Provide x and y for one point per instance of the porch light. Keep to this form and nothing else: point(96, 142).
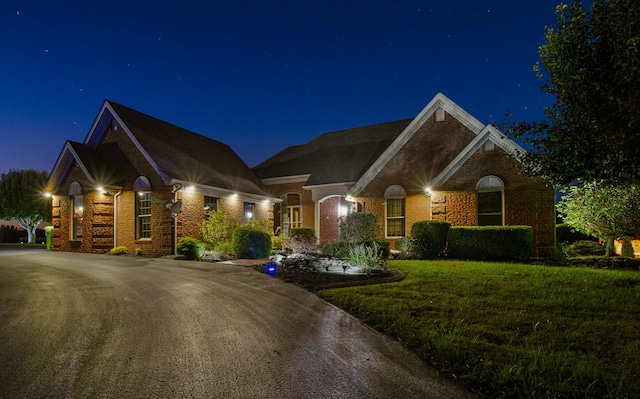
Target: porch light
point(266, 202)
point(101, 190)
point(234, 196)
point(190, 189)
point(349, 198)
point(47, 194)
point(427, 191)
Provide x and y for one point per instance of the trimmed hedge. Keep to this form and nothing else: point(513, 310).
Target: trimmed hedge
point(495, 243)
point(429, 238)
point(190, 248)
point(248, 243)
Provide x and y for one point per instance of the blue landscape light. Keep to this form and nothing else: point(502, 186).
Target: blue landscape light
point(270, 269)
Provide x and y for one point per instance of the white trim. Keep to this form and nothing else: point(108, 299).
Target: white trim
point(286, 179)
point(488, 133)
point(439, 101)
point(223, 192)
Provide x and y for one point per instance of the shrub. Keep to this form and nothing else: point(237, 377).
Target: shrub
point(358, 227)
point(138, 251)
point(566, 234)
point(277, 243)
point(498, 243)
point(384, 247)
point(260, 224)
point(190, 248)
point(218, 228)
point(627, 248)
point(250, 243)
point(584, 248)
point(119, 250)
point(366, 256)
point(338, 250)
point(429, 238)
point(302, 232)
point(303, 245)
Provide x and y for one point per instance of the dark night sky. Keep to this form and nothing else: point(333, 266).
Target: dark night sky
point(257, 75)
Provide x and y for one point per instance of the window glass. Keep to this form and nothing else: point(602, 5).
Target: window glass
point(143, 214)
point(395, 217)
point(490, 208)
point(248, 210)
point(76, 220)
point(210, 205)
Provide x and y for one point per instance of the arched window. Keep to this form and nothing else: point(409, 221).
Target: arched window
point(490, 203)
point(395, 211)
point(142, 188)
point(77, 210)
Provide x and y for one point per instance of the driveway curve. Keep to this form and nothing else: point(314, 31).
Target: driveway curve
point(101, 326)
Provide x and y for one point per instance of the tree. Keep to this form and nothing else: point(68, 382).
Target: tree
point(590, 62)
point(21, 199)
point(603, 211)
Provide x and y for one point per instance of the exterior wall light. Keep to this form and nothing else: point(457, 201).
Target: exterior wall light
point(427, 191)
point(47, 194)
point(190, 189)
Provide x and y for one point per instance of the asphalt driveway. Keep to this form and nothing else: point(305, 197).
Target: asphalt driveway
point(102, 326)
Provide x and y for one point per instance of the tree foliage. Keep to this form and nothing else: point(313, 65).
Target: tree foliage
point(603, 211)
point(218, 229)
point(21, 199)
point(590, 62)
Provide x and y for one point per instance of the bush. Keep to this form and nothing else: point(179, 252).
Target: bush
point(250, 243)
point(218, 228)
point(584, 248)
point(302, 232)
point(190, 248)
point(119, 250)
point(566, 234)
point(498, 243)
point(358, 227)
point(260, 224)
point(338, 250)
point(627, 248)
point(384, 247)
point(366, 256)
point(429, 238)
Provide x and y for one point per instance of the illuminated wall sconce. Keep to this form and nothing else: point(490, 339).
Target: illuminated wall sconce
point(349, 198)
point(190, 189)
point(427, 191)
point(234, 196)
point(47, 194)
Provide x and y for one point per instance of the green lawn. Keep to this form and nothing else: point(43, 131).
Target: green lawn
point(512, 330)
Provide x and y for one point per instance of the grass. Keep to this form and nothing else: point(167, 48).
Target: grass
point(512, 330)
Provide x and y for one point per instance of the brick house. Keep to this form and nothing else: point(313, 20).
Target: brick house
point(143, 183)
point(116, 187)
point(443, 164)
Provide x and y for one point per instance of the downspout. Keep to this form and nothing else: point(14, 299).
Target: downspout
point(115, 218)
point(175, 225)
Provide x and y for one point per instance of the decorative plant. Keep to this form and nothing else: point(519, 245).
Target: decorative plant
point(368, 257)
point(119, 250)
point(190, 248)
point(359, 227)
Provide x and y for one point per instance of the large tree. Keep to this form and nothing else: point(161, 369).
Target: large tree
point(608, 212)
point(590, 62)
point(21, 199)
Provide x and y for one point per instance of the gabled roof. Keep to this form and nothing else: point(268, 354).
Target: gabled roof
point(176, 154)
point(334, 157)
point(354, 157)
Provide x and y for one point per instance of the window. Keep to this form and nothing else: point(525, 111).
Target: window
point(77, 210)
point(143, 214)
point(143, 207)
point(489, 201)
point(292, 216)
point(248, 210)
point(395, 211)
point(210, 205)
